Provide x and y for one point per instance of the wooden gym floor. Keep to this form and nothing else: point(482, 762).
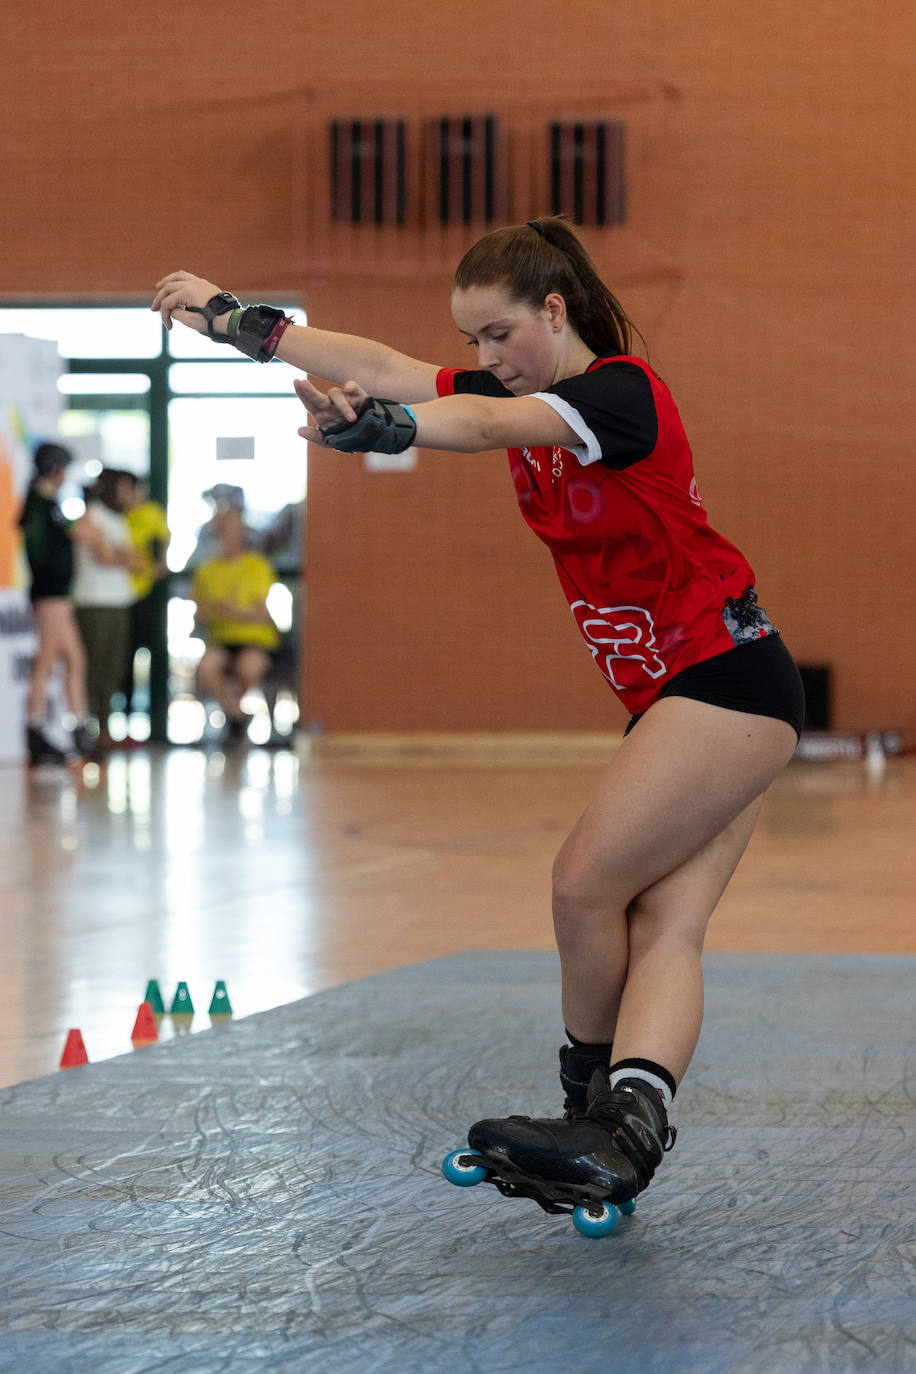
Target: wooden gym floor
point(285, 872)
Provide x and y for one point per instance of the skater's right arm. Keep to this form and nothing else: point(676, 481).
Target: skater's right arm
point(378, 369)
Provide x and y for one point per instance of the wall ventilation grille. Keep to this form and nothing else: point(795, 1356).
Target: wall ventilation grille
point(465, 169)
point(588, 170)
point(368, 171)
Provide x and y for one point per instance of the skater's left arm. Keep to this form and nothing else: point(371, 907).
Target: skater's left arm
point(347, 418)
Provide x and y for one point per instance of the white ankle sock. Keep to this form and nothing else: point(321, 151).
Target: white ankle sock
point(645, 1076)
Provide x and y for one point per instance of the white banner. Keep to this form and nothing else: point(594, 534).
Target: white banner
point(17, 645)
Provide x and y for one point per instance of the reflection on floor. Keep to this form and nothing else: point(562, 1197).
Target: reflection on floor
point(285, 872)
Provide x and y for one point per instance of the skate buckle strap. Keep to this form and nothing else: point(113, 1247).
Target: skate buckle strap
point(637, 1137)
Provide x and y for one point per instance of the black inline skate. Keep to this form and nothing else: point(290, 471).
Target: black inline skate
point(41, 750)
point(591, 1166)
point(576, 1070)
point(85, 743)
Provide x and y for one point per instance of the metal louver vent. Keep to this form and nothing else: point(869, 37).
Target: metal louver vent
point(368, 171)
point(465, 172)
point(588, 170)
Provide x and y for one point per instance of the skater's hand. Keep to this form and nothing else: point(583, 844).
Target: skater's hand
point(179, 289)
point(340, 403)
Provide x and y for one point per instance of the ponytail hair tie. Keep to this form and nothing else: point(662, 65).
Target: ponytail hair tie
point(536, 226)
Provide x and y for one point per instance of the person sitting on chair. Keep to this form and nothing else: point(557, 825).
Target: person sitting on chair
point(231, 594)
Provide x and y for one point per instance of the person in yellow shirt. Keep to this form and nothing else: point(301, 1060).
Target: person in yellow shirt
point(149, 535)
point(231, 594)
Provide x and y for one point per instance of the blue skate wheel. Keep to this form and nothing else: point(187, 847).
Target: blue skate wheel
point(628, 1208)
point(595, 1221)
point(458, 1168)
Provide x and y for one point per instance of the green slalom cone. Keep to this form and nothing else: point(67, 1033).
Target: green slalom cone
point(181, 1002)
point(219, 1002)
point(154, 997)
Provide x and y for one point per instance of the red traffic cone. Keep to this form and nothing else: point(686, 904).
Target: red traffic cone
point(74, 1051)
point(144, 1031)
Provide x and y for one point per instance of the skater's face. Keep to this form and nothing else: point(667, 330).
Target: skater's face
point(522, 346)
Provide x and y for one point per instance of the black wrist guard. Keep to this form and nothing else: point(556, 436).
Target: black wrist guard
point(259, 331)
point(220, 304)
point(380, 427)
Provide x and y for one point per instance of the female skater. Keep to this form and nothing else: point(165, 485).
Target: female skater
point(668, 609)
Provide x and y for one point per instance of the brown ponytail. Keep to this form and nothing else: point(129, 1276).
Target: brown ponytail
point(546, 255)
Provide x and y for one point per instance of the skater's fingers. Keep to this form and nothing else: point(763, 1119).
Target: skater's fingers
point(339, 398)
point(356, 396)
point(177, 290)
point(308, 394)
point(321, 407)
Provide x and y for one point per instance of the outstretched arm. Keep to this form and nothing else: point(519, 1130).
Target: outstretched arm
point(458, 424)
point(380, 370)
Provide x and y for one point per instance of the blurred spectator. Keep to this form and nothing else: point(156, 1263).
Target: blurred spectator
point(231, 594)
point(282, 540)
point(150, 535)
point(48, 538)
point(222, 497)
point(103, 591)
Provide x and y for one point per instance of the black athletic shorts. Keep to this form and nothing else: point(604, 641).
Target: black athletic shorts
point(759, 677)
point(233, 650)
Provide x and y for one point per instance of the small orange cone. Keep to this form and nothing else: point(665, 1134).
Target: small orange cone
point(74, 1051)
point(144, 1031)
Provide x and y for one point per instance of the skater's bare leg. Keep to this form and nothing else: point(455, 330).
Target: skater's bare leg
point(58, 639)
point(661, 1010)
point(639, 876)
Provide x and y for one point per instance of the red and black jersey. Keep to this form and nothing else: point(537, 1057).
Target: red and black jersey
point(654, 589)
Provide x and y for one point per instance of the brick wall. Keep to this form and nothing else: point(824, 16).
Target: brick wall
point(780, 186)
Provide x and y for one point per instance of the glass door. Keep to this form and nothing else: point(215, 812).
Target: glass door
point(207, 427)
point(243, 452)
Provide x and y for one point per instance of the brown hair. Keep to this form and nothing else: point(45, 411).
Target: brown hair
point(546, 255)
point(106, 487)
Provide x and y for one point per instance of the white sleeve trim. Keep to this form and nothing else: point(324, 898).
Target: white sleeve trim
point(589, 451)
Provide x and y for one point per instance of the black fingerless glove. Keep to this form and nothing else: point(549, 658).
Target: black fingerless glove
point(380, 427)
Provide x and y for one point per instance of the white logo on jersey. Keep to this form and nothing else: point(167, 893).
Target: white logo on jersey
point(557, 468)
point(694, 492)
point(630, 633)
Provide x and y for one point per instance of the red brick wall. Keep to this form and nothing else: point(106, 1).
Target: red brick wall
point(780, 185)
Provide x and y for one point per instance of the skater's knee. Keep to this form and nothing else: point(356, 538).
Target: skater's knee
point(568, 889)
point(582, 893)
point(651, 919)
